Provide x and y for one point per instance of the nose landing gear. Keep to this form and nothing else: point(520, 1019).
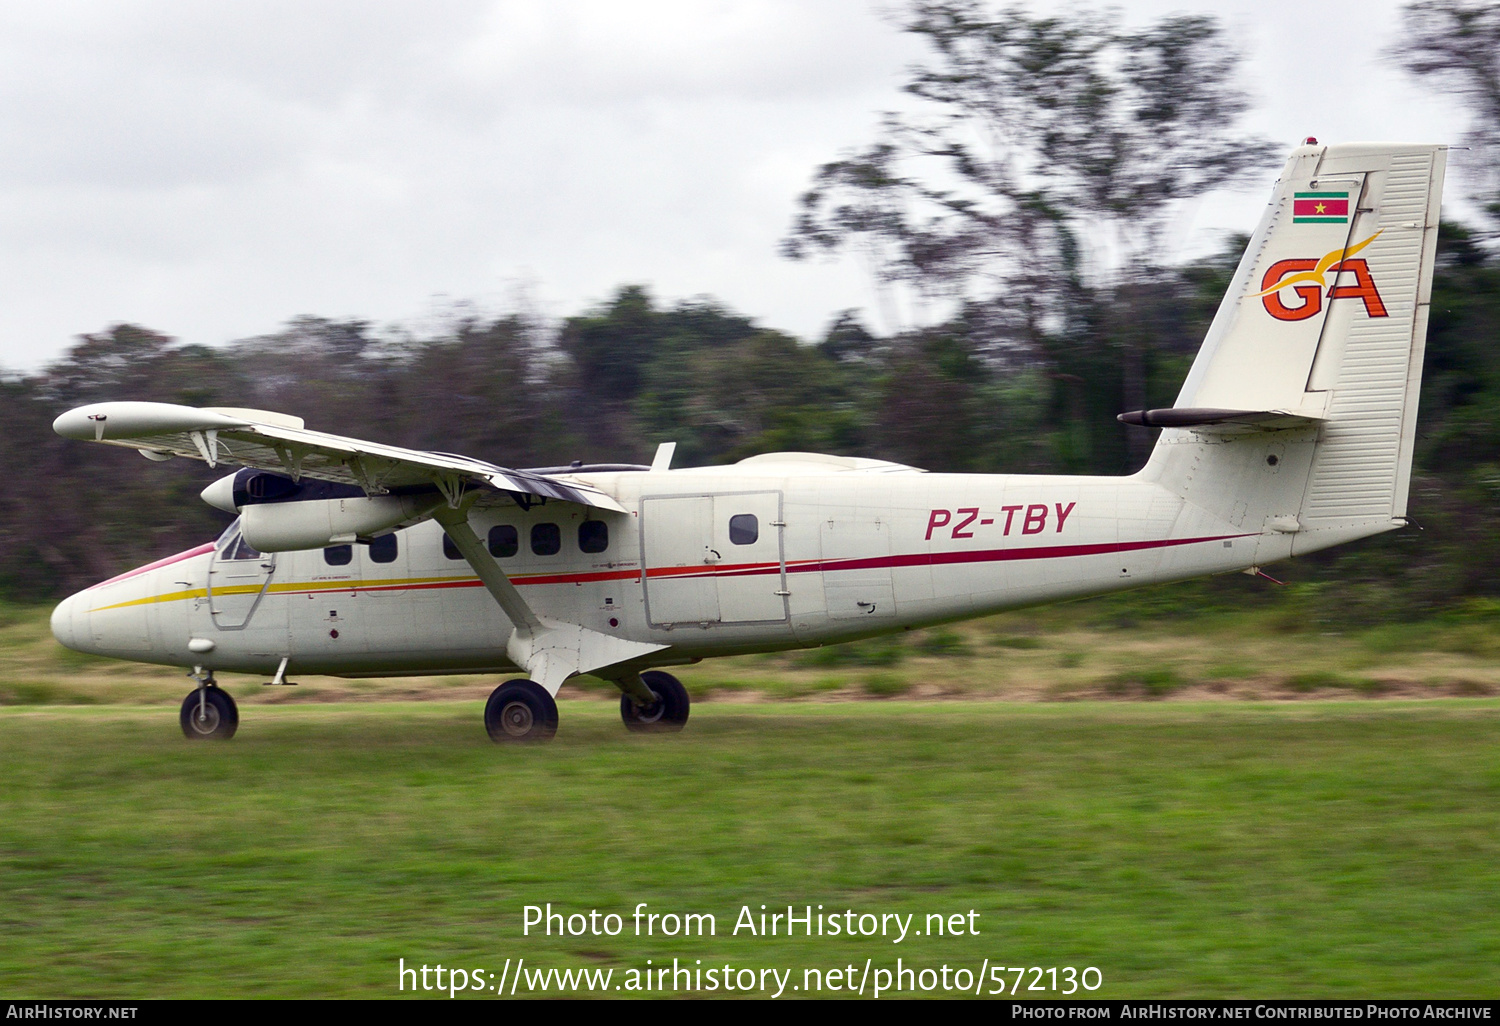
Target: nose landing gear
point(208, 712)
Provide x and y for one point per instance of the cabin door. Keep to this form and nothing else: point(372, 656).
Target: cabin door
point(677, 560)
point(856, 548)
point(751, 564)
point(237, 580)
point(713, 559)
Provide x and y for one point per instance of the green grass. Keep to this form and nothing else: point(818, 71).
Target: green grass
point(1185, 846)
point(1308, 848)
point(1149, 681)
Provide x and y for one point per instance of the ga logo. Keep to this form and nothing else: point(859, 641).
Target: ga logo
point(1307, 278)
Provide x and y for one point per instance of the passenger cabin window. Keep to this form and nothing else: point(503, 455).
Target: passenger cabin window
point(383, 549)
point(744, 529)
point(338, 555)
point(450, 550)
point(546, 539)
point(504, 542)
point(593, 536)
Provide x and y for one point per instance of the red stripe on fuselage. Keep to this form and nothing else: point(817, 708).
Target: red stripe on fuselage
point(168, 561)
point(928, 558)
point(795, 567)
point(1001, 555)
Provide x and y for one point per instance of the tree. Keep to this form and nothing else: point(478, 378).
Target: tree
point(1456, 45)
point(767, 392)
point(73, 514)
point(610, 346)
point(486, 392)
point(332, 373)
point(1039, 173)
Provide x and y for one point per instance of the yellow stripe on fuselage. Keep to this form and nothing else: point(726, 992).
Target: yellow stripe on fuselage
point(171, 596)
point(289, 587)
point(381, 584)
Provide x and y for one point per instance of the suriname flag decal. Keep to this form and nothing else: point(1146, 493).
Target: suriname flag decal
point(1320, 208)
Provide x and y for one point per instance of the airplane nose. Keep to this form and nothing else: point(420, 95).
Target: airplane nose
point(65, 626)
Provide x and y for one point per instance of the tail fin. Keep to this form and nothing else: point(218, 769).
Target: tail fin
point(1320, 340)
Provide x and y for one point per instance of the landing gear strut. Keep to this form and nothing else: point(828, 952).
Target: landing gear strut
point(667, 713)
point(520, 710)
point(208, 712)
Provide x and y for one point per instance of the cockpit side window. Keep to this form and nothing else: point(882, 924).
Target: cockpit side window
point(232, 545)
point(242, 550)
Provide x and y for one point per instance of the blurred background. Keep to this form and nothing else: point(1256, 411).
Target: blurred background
point(951, 234)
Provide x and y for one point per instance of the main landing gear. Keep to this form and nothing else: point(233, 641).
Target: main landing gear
point(208, 712)
point(522, 710)
point(667, 713)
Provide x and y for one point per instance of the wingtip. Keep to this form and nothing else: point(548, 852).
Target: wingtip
point(99, 422)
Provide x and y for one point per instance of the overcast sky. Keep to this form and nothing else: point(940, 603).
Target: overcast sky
point(212, 170)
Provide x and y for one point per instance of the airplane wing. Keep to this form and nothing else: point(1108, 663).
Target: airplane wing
point(280, 444)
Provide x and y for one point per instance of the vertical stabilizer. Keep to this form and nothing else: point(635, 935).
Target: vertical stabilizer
point(1325, 325)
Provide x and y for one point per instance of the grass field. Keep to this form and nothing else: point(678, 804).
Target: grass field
point(1196, 803)
point(1184, 849)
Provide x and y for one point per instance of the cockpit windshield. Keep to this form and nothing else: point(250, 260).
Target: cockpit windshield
point(231, 546)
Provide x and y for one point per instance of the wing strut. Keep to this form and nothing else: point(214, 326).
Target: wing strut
point(456, 524)
point(548, 650)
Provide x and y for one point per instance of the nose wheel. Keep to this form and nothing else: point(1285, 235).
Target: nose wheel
point(667, 713)
point(208, 713)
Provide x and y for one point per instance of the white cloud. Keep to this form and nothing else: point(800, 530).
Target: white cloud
point(211, 170)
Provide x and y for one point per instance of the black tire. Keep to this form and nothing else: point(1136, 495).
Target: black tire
point(219, 720)
point(519, 711)
point(666, 715)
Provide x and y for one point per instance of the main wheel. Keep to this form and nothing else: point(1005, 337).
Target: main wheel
point(668, 713)
point(520, 710)
point(209, 713)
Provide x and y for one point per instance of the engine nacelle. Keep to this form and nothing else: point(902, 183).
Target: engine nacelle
point(317, 523)
point(278, 514)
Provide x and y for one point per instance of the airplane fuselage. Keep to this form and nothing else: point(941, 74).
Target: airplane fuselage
point(778, 552)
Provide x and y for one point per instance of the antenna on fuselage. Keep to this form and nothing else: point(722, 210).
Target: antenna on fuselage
point(663, 458)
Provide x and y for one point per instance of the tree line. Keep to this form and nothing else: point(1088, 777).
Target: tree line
point(1027, 192)
point(607, 385)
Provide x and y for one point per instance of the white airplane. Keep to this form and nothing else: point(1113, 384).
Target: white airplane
point(1293, 432)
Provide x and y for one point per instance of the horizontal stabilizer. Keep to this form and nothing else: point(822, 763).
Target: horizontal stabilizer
point(1189, 417)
